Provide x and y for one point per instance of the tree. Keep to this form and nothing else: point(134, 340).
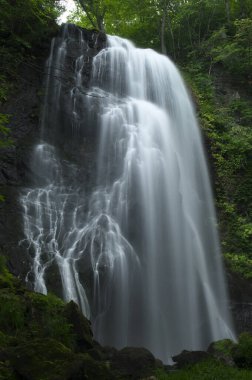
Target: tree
point(95, 11)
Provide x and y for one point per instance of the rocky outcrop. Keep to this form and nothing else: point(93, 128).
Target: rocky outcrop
point(133, 363)
point(187, 358)
point(23, 108)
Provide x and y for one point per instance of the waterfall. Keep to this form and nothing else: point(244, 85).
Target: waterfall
point(136, 245)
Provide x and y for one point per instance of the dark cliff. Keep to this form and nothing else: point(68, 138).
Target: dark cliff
point(24, 109)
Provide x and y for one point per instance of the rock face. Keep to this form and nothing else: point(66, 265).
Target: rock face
point(241, 302)
point(24, 107)
point(187, 358)
point(133, 363)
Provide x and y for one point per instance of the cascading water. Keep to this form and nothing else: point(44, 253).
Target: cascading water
point(139, 252)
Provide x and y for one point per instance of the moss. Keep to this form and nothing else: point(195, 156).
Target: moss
point(47, 359)
point(45, 317)
point(27, 314)
point(38, 336)
point(224, 346)
point(42, 359)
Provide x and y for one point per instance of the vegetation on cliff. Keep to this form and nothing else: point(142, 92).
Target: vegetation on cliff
point(42, 338)
point(24, 26)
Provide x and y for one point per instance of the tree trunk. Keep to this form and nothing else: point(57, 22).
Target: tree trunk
point(93, 14)
point(100, 23)
point(227, 2)
point(163, 46)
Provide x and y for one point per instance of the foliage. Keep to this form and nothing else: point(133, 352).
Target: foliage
point(23, 24)
point(228, 136)
point(234, 50)
point(183, 25)
point(134, 20)
point(240, 263)
point(215, 368)
point(209, 370)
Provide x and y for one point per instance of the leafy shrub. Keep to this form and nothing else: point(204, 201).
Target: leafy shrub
point(239, 263)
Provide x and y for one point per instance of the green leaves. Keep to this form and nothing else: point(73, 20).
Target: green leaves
point(226, 122)
point(23, 24)
point(233, 48)
point(239, 263)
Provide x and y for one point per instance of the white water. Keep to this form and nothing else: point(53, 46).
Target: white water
point(141, 255)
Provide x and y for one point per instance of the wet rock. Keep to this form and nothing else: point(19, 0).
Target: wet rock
point(186, 358)
point(240, 301)
point(108, 353)
point(133, 363)
point(23, 106)
point(222, 350)
point(81, 327)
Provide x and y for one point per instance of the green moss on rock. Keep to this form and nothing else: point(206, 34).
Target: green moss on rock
point(242, 352)
point(42, 338)
point(48, 359)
